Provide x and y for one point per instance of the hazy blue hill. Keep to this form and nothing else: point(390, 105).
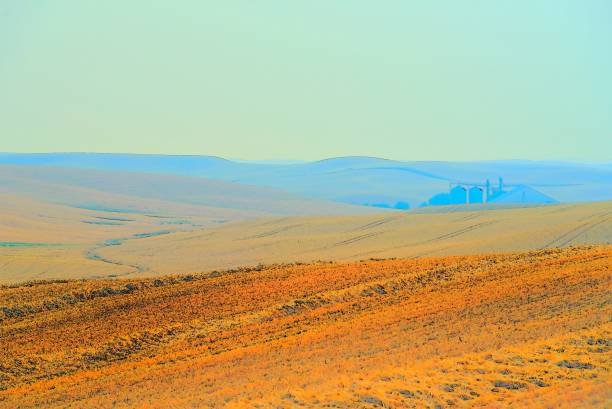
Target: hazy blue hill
point(563, 181)
point(365, 180)
point(167, 193)
point(358, 185)
point(353, 180)
point(357, 179)
point(347, 162)
point(209, 166)
point(523, 194)
point(518, 172)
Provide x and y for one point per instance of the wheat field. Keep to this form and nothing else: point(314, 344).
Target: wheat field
point(349, 238)
point(528, 329)
point(90, 243)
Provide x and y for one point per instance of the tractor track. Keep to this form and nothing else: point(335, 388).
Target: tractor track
point(572, 234)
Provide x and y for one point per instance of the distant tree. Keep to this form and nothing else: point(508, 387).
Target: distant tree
point(441, 199)
point(402, 205)
point(382, 205)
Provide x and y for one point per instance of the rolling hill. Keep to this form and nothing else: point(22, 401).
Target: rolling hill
point(84, 243)
point(482, 331)
point(53, 220)
point(127, 192)
point(177, 290)
point(395, 234)
point(356, 180)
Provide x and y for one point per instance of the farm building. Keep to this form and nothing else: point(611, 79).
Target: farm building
point(470, 193)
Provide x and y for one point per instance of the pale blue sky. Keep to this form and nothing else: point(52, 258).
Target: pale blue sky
point(415, 80)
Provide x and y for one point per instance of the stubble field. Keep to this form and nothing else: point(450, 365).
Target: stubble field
point(503, 330)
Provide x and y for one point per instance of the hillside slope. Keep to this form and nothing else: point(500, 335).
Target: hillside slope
point(41, 240)
point(52, 241)
point(307, 239)
point(53, 221)
point(148, 192)
point(356, 179)
point(491, 331)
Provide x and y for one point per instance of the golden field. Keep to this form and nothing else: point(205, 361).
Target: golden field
point(91, 243)
point(527, 329)
point(346, 238)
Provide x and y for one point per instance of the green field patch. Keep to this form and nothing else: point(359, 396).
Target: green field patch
point(151, 234)
point(114, 219)
point(120, 241)
point(105, 209)
point(23, 244)
point(114, 242)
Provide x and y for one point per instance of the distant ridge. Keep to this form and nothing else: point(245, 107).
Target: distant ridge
point(358, 180)
point(127, 192)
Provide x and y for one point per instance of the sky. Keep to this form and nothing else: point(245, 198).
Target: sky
point(305, 80)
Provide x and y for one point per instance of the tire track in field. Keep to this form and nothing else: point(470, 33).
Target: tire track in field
point(470, 216)
point(460, 232)
point(355, 239)
point(443, 237)
point(271, 232)
point(595, 216)
point(572, 234)
point(375, 223)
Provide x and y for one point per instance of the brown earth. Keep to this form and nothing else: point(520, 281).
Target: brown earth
point(503, 330)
